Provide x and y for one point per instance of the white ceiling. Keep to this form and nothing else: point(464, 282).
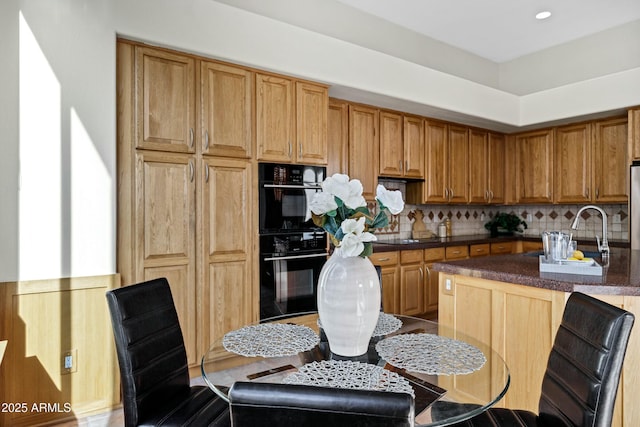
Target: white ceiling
point(502, 30)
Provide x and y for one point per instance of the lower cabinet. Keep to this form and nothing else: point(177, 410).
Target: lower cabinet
point(412, 282)
point(388, 263)
point(520, 323)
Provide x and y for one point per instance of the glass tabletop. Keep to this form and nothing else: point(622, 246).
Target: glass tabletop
point(451, 376)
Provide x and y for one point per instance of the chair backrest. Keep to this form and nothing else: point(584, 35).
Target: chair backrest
point(149, 345)
point(581, 381)
point(284, 405)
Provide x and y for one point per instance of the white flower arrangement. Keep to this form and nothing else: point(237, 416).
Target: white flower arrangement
point(341, 210)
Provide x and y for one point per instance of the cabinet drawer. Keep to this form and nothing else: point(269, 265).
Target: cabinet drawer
point(501, 248)
point(457, 252)
point(410, 257)
point(433, 254)
point(531, 246)
point(483, 249)
point(384, 258)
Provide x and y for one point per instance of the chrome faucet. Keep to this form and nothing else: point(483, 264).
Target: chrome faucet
point(603, 247)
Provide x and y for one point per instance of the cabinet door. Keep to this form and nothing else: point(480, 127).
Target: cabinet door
point(413, 147)
point(311, 123)
point(337, 137)
point(165, 220)
point(478, 166)
point(458, 164)
point(165, 101)
point(274, 118)
point(436, 162)
point(610, 161)
point(363, 147)
point(496, 170)
point(228, 279)
point(431, 289)
point(534, 167)
point(633, 118)
point(390, 290)
point(411, 289)
point(391, 143)
point(572, 164)
point(227, 103)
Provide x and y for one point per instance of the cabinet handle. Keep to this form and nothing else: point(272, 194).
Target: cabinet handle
point(206, 174)
point(450, 194)
point(428, 274)
point(421, 275)
point(597, 193)
point(190, 137)
point(383, 259)
point(290, 148)
point(587, 195)
point(406, 166)
point(490, 196)
point(446, 193)
point(206, 140)
point(300, 149)
point(400, 165)
point(191, 170)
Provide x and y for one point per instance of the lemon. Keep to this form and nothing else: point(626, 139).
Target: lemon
point(578, 254)
point(572, 259)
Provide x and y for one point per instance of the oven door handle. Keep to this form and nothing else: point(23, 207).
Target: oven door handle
point(298, 187)
point(283, 258)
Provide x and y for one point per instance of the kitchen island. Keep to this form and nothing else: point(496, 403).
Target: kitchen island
point(507, 302)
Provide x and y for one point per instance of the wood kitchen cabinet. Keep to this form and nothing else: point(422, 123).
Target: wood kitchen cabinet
point(226, 248)
point(338, 137)
point(431, 255)
point(610, 161)
point(446, 165)
point(534, 166)
point(633, 119)
point(364, 147)
point(291, 120)
point(573, 166)
point(165, 91)
point(226, 110)
point(486, 167)
point(388, 263)
point(401, 145)
point(412, 282)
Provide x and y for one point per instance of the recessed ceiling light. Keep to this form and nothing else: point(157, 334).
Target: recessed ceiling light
point(543, 15)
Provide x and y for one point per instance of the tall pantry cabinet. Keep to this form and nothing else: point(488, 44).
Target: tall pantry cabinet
point(185, 186)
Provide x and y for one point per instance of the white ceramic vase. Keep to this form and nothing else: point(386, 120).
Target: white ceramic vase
point(348, 303)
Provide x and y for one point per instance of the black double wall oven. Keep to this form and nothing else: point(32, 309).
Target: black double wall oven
point(292, 248)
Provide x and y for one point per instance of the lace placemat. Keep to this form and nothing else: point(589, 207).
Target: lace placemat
point(270, 340)
point(387, 323)
point(347, 374)
point(431, 354)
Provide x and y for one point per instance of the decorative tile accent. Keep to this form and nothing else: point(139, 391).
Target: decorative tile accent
point(553, 214)
point(569, 215)
point(539, 215)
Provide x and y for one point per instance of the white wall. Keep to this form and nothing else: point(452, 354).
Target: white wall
point(58, 175)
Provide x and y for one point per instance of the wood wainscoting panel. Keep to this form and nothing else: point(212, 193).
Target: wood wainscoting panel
point(44, 321)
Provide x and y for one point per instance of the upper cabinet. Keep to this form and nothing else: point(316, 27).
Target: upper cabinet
point(363, 147)
point(572, 178)
point(165, 91)
point(291, 120)
point(227, 105)
point(486, 167)
point(634, 133)
point(401, 145)
point(338, 137)
point(534, 166)
point(610, 164)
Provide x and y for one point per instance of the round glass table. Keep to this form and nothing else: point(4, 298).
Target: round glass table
point(452, 377)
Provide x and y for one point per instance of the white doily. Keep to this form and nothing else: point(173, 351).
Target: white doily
point(347, 374)
point(387, 323)
point(270, 340)
point(430, 354)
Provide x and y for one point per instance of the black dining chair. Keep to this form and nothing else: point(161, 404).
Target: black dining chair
point(580, 383)
point(156, 389)
point(296, 405)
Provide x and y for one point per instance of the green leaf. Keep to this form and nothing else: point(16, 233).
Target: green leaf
point(381, 220)
point(368, 250)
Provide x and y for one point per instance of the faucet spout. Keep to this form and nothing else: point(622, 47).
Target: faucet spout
point(603, 247)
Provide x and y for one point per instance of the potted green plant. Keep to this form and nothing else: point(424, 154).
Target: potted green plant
point(505, 224)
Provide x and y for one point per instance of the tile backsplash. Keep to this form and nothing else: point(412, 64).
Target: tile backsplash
point(470, 219)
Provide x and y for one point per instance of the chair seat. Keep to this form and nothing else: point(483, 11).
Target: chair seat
point(201, 408)
point(494, 417)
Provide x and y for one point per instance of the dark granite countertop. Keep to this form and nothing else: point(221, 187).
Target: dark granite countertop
point(620, 277)
point(435, 242)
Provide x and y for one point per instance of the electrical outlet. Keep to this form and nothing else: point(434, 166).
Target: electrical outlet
point(69, 361)
point(529, 217)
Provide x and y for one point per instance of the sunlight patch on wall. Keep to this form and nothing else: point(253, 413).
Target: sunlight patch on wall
point(40, 198)
point(91, 213)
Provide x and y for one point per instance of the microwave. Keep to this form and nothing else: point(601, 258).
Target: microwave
point(285, 192)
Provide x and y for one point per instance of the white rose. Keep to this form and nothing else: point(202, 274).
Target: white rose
point(352, 243)
point(392, 200)
point(350, 192)
point(355, 226)
point(323, 203)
